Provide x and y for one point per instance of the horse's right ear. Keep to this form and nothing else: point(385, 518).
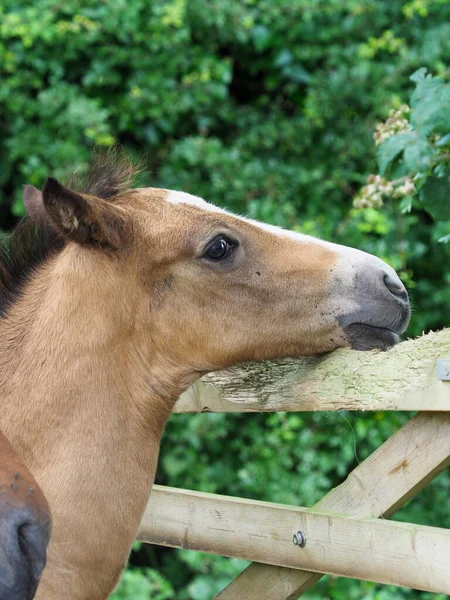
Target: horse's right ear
point(86, 220)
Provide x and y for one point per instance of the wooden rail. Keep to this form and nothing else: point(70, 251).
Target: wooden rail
point(373, 549)
point(404, 378)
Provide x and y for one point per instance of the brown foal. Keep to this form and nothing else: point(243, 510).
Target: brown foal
point(114, 300)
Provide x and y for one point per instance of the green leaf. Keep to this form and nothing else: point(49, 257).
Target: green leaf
point(297, 73)
point(443, 141)
point(391, 148)
point(416, 151)
point(431, 106)
point(435, 197)
point(406, 205)
point(201, 588)
point(261, 37)
point(419, 75)
point(417, 154)
point(284, 58)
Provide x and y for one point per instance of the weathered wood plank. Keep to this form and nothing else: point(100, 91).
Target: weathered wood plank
point(402, 379)
point(372, 549)
point(386, 480)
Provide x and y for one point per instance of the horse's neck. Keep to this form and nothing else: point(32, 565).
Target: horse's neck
point(80, 405)
point(74, 350)
point(74, 376)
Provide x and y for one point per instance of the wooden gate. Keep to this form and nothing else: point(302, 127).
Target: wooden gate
point(348, 532)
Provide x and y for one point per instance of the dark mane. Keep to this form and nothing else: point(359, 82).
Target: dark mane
point(27, 247)
point(109, 174)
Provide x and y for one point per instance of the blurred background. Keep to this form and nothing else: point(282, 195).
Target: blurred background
point(266, 107)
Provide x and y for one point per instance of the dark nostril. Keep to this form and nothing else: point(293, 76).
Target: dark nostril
point(33, 539)
point(27, 538)
point(395, 286)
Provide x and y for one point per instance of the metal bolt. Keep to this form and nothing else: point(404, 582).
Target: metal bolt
point(299, 539)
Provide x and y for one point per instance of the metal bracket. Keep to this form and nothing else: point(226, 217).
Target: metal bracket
point(443, 369)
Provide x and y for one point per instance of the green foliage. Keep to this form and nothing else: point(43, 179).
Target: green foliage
point(143, 584)
point(422, 154)
point(268, 108)
point(434, 195)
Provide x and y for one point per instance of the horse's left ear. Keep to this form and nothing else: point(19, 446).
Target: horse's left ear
point(88, 221)
point(32, 198)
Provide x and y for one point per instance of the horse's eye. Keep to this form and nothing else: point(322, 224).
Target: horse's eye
point(219, 248)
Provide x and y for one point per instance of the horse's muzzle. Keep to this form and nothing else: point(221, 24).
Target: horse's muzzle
point(383, 313)
point(24, 536)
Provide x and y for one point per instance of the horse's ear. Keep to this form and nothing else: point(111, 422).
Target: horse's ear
point(32, 198)
point(87, 221)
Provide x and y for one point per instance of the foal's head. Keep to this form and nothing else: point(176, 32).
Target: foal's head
point(24, 527)
point(210, 288)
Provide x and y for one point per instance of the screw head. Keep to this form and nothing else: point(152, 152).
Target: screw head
point(299, 539)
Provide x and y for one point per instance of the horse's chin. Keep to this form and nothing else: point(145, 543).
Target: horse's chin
point(370, 337)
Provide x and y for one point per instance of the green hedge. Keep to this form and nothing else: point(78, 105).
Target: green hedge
point(267, 107)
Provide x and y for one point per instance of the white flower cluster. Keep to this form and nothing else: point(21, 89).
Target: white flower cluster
point(372, 194)
point(396, 123)
point(407, 189)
